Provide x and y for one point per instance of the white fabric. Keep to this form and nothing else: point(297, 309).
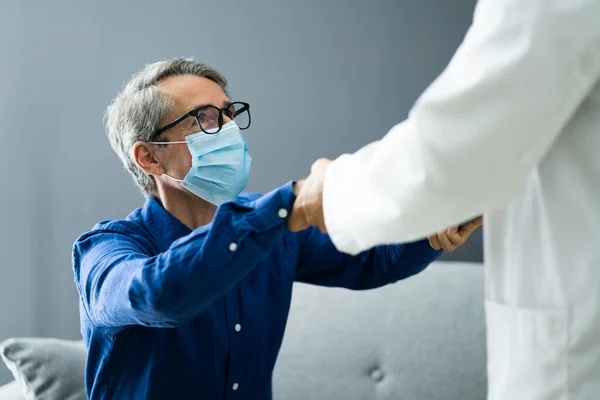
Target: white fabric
point(510, 129)
point(11, 391)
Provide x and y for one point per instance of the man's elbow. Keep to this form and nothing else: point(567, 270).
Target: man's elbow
point(164, 308)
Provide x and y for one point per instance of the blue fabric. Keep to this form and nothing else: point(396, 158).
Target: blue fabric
point(160, 303)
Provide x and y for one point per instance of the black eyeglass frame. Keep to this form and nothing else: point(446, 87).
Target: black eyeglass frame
point(194, 114)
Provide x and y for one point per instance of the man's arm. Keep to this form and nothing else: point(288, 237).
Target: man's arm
point(321, 263)
point(474, 136)
point(121, 285)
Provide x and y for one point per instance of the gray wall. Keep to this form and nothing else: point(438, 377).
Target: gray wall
point(323, 77)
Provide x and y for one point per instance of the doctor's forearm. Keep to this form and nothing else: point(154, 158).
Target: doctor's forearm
point(474, 136)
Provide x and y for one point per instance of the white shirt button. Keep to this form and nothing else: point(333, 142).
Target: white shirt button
point(233, 247)
point(238, 327)
point(235, 386)
point(283, 213)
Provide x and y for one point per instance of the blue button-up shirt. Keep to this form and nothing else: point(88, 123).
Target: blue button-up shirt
point(171, 313)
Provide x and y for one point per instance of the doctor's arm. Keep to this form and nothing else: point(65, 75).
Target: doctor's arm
point(476, 133)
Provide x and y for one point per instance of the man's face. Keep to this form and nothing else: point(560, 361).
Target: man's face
point(188, 93)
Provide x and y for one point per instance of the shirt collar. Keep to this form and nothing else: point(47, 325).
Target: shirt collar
point(164, 227)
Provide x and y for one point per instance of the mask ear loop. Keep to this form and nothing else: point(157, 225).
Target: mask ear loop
point(175, 179)
point(181, 142)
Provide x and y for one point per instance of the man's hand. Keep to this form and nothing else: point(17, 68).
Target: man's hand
point(308, 207)
point(453, 238)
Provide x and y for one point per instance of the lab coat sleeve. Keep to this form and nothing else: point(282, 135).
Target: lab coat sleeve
point(475, 134)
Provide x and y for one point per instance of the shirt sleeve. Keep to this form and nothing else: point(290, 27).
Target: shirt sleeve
point(121, 285)
point(320, 263)
point(477, 132)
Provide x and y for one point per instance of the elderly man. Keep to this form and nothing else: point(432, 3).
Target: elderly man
point(188, 296)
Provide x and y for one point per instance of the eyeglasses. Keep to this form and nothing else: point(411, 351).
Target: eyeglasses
point(210, 118)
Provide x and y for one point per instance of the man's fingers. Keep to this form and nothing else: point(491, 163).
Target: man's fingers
point(297, 221)
point(474, 225)
point(470, 228)
point(323, 228)
point(455, 236)
point(308, 208)
point(434, 242)
point(314, 219)
point(319, 165)
point(447, 244)
point(297, 187)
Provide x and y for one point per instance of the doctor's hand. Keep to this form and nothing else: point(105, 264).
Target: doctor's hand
point(453, 238)
point(308, 207)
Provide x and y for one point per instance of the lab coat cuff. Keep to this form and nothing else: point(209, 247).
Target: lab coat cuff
point(337, 192)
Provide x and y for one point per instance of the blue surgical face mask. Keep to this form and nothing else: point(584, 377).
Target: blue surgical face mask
point(220, 164)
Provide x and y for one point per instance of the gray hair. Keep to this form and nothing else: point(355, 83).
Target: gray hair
point(135, 113)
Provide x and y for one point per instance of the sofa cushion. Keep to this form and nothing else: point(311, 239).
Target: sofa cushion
point(46, 369)
point(421, 338)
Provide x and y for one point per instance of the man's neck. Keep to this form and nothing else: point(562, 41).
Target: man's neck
point(188, 208)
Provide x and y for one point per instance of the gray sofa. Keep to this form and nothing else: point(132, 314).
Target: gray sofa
point(422, 338)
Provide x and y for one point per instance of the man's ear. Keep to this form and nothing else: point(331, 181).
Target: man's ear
point(145, 157)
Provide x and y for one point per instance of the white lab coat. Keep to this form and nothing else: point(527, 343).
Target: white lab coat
point(510, 129)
